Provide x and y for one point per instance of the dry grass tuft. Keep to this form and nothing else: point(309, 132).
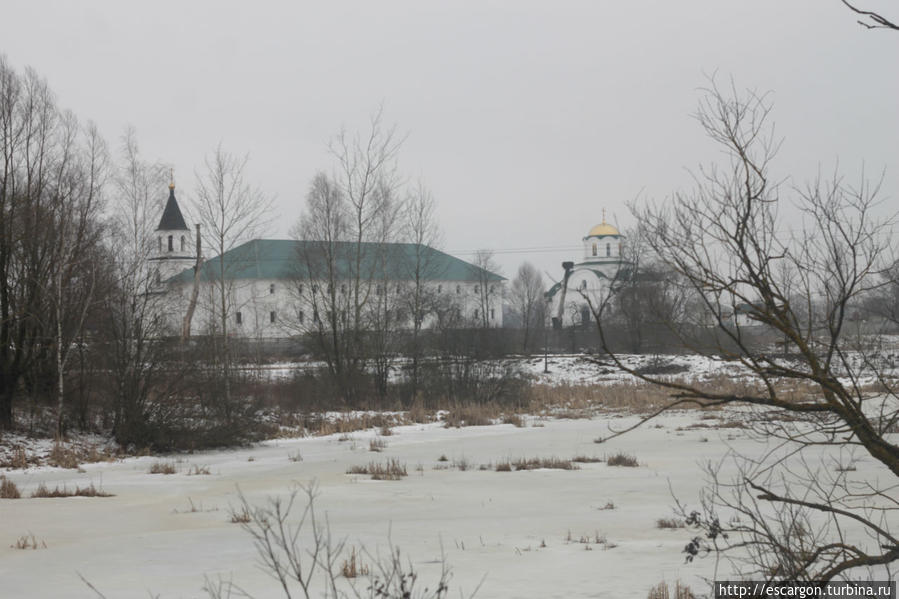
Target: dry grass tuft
point(63, 457)
point(353, 566)
point(622, 459)
point(8, 489)
point(377, 444)
point(669, 523)
point(162, 468)
point(535, 463)
point(392, 469)
point(471, 415)
point(296, 456)
point(660, 591)
point(241, 516)
point(43, 491)
point(28, 542)
point(18, 461)
point(513, 419)
point(198, 470)
point(584, 459)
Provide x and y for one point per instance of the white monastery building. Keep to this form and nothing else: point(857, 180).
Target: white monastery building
point(278, 288)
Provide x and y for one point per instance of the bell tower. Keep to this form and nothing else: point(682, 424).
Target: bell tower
point(173, 249)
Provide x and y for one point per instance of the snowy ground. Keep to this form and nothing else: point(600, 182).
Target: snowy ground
point(490, 524)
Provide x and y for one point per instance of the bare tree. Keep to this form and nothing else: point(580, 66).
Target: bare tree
point(50, 186)
point(231, 212)
point(488, 289)
point(76, 206)
point(344, 257)
point(727, 241)
point(421, 268)
point(527, 300)
point(136, 359)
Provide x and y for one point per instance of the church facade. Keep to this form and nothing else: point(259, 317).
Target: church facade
point(586, 283)
point(282, 288)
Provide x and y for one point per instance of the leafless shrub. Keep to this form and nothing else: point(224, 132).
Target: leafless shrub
point(196, 470)
point(443, 458)
point(504, 466)
point(299, 552)
point(295, 456)
point(386, 431)
point(622, 459)
point(8, 489)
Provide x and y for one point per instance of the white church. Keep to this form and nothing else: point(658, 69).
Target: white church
point(587, 282)
point(272, 293)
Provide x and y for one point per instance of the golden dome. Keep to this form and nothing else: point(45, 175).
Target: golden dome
point(601, 229)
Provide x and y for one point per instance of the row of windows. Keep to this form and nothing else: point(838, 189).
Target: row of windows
point(272, 317)
point(301, 316)
point(171, 243)
point(379, 289)
point(608, 250)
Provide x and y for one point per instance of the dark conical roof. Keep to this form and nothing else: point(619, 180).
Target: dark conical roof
point(172, 220)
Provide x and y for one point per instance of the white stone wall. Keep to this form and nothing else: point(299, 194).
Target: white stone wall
point(271, 308)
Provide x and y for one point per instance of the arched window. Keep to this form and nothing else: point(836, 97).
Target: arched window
point(182, 243)
point(271, 289)
point(594, 249)
point(608, 250)
point(171, 242)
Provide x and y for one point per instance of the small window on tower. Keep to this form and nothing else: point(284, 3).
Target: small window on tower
point(594, 249)
point(271, 289)
point(171, 243)
point(300, 316)
point(271, 317)
point(608, 250)
point(239, 318)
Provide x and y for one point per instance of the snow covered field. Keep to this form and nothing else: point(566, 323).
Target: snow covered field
point(490, 524)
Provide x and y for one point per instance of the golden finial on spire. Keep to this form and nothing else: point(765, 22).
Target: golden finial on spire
point(171, 178)
point(603, 216)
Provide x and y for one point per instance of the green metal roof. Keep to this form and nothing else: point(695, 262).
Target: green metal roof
point(291, 259)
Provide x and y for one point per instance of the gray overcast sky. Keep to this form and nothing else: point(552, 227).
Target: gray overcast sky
point(524, 118)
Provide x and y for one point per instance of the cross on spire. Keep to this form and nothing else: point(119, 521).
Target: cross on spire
point(171, 178)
